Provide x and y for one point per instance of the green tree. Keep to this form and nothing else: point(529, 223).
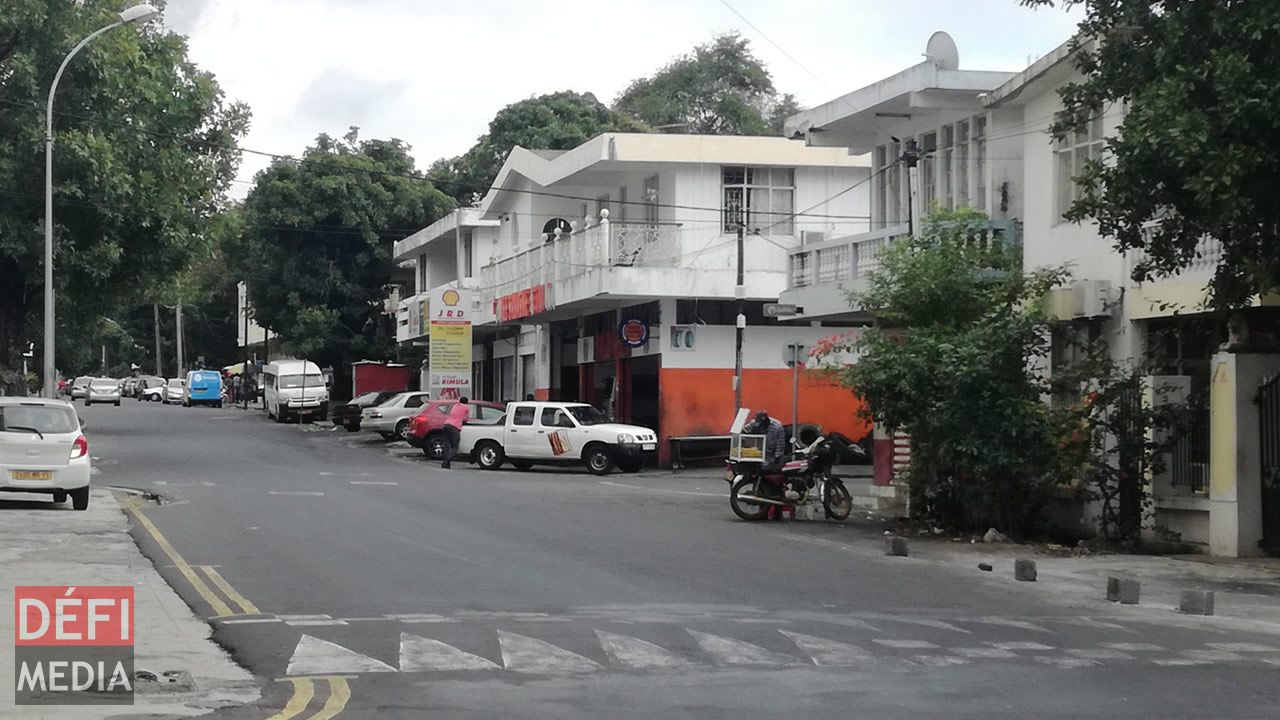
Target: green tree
point(721, 88)
point(557, 121)
point(317, 244)
point(145, 151)
point(953, 363)
point(1200, 82)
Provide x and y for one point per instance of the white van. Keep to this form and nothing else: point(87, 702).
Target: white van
point(294, 388)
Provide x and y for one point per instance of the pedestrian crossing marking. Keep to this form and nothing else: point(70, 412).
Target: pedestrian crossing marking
point(905, 644)
point(985, 653)
point(938, 624)
point(728, 651)
point(1099, 654)
point(314, 656)
point(521, 653)
point(1133, 647)
point(637, 654)
point(1066, 663)
point(1006, 622)
point(828, 653)
point(1020, 646)
point(420, 654)
point(1243, 647)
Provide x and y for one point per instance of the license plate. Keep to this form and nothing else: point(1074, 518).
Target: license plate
point(648, 446)
point(31, 474)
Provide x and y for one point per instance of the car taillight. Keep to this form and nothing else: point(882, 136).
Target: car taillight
point(375, 413)
point(79, 448)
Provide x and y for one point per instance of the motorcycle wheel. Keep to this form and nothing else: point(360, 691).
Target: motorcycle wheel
point(836, 499)
point(745, 509)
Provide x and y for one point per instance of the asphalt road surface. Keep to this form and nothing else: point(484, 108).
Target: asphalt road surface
point(357, 580)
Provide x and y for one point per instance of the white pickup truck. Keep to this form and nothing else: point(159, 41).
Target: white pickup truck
point(557, 433)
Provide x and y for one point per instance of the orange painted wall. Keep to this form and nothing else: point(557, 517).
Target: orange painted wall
point(700, 402)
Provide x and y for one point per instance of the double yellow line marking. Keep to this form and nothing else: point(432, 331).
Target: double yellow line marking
point(304, 690)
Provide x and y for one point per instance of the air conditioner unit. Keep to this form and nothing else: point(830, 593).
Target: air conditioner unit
point(1091, 298)
point(586, 350)
point(811, 237)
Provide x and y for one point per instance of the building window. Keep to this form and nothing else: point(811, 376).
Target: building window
point(894, 201)
point(879, 213)
point(1070, 155)
point(468, 257)
point(948, 166)
point(651, 200)
point(980, 162)
point(928, 178)
point(622, 204)
point(962, 164)
point(762, 199)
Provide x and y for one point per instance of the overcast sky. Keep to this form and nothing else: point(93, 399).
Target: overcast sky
point(433, 73)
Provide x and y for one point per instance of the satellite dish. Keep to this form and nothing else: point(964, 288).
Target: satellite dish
point(941, 51)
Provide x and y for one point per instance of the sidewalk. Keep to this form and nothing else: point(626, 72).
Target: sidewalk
point(43, 544)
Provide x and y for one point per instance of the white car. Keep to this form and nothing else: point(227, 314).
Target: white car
point(558, 433)
point(42, 450)
point(173, 390)
point(391, 418)
point(80, 387)
point(103, 390)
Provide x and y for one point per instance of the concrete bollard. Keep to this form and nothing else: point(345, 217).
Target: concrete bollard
point(895, 545)
point(1125, 591)
point(1196, 602)
point(1024, 570)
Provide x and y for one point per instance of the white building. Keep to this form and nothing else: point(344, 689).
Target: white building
point(607, 273)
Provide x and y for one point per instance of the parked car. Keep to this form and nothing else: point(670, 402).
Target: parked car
point(557, 433)
point(173, 391)
point(148, 382)
point(80, 387)
point(294, 388)
point(203, 387)
point(348, 414)
point(102, 390)
point(391, 418)
point(42, 450)
point(425, 426)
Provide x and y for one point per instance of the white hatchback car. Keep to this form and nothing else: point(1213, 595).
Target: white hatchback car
point(43, 451)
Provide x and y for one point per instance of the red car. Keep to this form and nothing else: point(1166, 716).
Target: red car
point(424, 428)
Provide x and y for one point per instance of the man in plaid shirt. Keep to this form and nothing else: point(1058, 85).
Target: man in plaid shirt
point(775, 446)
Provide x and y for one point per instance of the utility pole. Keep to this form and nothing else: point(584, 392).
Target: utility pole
point(155, 309)
point(104, 359)
point(178, 321)
point(739, 294)
point(911, 156)
point(244, 369)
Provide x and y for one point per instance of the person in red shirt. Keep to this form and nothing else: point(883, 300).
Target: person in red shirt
point(452, 429)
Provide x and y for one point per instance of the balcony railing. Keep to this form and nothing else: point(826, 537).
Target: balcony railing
point(603, 245)
point(1205, 263)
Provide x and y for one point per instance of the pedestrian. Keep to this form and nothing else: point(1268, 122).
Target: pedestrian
point(452, 430)
point(237, 388)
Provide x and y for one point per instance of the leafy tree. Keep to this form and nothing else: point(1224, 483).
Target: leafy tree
point(317, 241)
point(952, 363)
point(144, 154)
point(1201, 85)
point(721, 88)
point(558, 121)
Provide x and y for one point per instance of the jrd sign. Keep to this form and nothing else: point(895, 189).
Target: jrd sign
point(74, 645)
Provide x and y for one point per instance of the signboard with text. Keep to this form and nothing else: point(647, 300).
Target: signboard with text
point(449, 348)
point(73, 645)
point(523, 303)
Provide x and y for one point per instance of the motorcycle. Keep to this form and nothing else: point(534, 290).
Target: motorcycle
point(758, 495)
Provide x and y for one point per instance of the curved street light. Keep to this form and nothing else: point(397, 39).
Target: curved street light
point(135, 14)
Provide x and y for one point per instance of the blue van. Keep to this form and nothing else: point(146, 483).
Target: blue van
point(203, 387)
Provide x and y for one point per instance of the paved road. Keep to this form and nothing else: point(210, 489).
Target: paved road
point(331, 563)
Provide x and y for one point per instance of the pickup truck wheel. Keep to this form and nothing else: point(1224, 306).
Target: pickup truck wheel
point(598, 459)
point(521, 465)
point(433, 446)
point(489, 455)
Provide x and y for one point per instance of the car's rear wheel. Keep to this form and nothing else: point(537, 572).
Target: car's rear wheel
point(402, 430)
point(489, 455)
point(80, 498)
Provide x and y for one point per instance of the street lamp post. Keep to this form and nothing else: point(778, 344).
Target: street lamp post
point(137, 13)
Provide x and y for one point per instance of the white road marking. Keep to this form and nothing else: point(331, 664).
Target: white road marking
point(159, 482)
point(662, 491)
point(295, 492)
point(1020, 646)
point(1093, 623)
point(1066, 663)
point(530, 655)
point(416, 617)
point(828, 652)
point(314, 623)
point(637, 654)
point(1099, 654)
point(1212, 655)
point(1020, 624)
point(325, 472)
point(374, 482)
point(1244, 647)
point(249, 621)
point(939, 660)
point(905, 644)
point(288, 618)
point(933, 624)
point(1133, 647)
point(419, 654)
point(1180, 662)
point(989, 653)
point(314, 656)
point(728, 651)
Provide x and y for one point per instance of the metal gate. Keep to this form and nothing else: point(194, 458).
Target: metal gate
point(1268, 400)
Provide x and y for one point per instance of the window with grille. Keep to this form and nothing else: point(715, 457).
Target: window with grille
point(962, 164)
point(1070, 155)
point(880, 211)
point(980, 162)
point(948, 166)
point(762, 199)
point(928, 167)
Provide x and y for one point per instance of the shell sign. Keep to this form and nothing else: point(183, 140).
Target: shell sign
point(449, 345)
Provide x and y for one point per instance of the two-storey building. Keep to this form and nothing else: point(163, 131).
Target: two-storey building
point(608, 274)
